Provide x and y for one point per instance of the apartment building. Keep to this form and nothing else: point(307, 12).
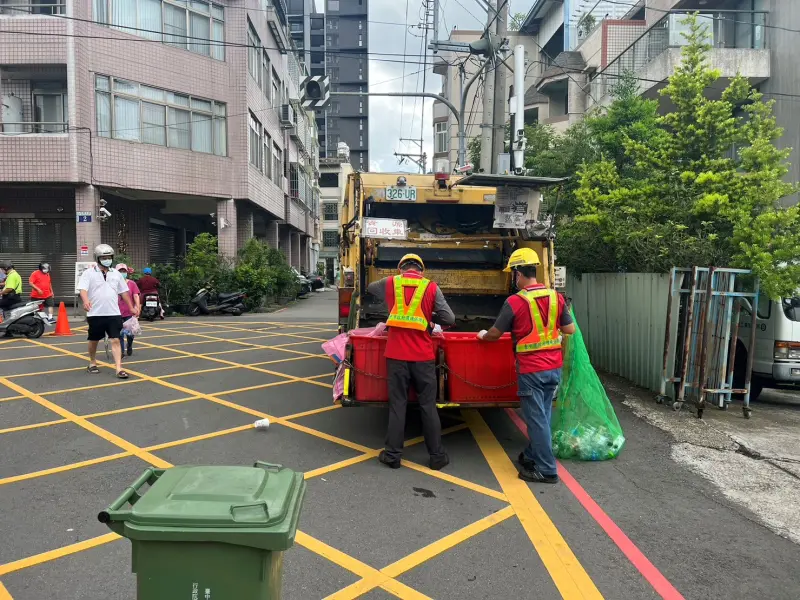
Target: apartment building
point(586, 48)
point(332, 183)
point(181, 118)
point(347, 63)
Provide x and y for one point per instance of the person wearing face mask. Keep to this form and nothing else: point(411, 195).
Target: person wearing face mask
point(42, 287)
point(100, 289)
point(11, 291)
point(126, 313)
point(536, 317)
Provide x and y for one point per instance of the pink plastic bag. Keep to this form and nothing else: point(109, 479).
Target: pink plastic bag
point(335, 349)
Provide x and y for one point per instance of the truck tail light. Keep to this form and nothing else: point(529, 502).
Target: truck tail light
point(345, 297)
point(787, 350)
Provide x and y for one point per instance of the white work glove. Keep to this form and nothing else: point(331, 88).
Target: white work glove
point(481, 334)
point(437, 329)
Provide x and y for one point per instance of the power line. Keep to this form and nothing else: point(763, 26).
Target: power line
point(469, 12)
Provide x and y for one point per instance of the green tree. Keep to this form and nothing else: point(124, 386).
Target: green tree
point(700, 185)
point(515, 21)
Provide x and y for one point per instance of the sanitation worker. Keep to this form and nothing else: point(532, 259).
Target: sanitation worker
point(414, 305)
point(536, 317)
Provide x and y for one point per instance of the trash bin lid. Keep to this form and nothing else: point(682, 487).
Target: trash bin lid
point(217, 497)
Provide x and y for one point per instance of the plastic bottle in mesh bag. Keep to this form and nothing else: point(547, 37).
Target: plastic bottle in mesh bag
point(584, 424)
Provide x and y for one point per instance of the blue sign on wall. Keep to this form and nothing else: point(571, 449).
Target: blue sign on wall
point(83, 217)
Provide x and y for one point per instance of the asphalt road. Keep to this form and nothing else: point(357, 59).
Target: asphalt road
point(639, 527)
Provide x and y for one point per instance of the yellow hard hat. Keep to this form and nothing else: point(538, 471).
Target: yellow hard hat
point(522, 257)
point(409, 257)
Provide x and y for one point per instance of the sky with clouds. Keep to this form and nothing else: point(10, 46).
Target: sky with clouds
point(391, 118)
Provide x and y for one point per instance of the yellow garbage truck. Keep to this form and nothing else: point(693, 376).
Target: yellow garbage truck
point(463, 228)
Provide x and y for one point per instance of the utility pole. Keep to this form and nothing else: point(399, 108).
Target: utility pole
point(487, 118)
point(420, 158)
point(499, 117)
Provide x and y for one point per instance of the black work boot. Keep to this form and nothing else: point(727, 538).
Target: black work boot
point(437, 463)
point(535, 476)
point(392, 464)
point(526, 463)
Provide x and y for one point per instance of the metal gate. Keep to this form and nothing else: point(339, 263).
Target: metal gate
point(162, 241)
point(26, 242)
point(709, 303)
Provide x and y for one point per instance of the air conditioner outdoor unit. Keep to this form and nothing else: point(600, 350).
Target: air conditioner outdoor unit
point(287, 115)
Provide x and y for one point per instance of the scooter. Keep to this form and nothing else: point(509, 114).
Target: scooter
point(25, 319)
point(152, 308)
point(206, 302)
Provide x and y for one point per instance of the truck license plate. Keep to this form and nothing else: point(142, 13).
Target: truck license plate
point(151, 303)
point(404, 193)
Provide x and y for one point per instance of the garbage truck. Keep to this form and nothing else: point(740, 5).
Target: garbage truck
point(464, 229)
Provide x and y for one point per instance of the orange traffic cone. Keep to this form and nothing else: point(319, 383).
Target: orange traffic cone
point(62, 324)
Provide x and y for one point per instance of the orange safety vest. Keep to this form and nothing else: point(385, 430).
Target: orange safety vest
point(408, 316)
point(540, 337)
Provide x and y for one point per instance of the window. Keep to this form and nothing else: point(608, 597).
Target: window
point(333, 24)
point(440, 137)
point(360, 73)
point(328, 180)
point(360, 106)
point(255, 143)
point(330, 211)
point(333, 6)
point(277, 164)
point(361, 124)
point(360, 40)
point(50, 110)
point(265, 75)
point(254, 53)
point(330, 239)
point(764, 308)
point(361, 140)
point(267, 155)
point(276, 88)
point(126, 110)
point(188, 24)
point(297, 27)
point(360, 25)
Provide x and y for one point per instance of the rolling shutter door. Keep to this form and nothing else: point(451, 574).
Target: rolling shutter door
point(162, 245)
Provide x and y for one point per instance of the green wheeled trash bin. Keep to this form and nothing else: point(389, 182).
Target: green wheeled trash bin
point(209, 533)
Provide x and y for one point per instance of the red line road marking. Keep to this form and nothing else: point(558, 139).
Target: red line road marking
point(654, 577)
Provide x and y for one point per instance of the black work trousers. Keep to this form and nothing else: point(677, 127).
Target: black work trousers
point(422, 375)
point(9, 300)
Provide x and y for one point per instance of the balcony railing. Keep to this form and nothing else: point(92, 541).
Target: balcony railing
point(28, 127)
point(724, 29)
point(52, 7)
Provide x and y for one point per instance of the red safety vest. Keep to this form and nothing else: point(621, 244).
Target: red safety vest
point(410, 300)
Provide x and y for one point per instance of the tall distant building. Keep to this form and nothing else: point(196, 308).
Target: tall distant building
point(347, 61)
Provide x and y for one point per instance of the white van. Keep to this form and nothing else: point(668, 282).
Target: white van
point(777, 348)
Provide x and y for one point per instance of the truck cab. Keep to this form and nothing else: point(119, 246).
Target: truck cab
point(776, 357)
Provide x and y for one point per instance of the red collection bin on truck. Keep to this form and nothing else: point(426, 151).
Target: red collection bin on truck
point(470, 372)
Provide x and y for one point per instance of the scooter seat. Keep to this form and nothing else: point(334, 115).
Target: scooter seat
point(228, 295)
point(17, 305)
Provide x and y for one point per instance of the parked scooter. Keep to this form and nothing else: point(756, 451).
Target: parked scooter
point(152, 307)
point(25, 319)
point(207, 302)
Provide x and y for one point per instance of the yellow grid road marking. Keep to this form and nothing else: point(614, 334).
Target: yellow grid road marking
point(4, 595)
point(37, 559)
point(61, 469)
point(88, 425)
point(571, 579)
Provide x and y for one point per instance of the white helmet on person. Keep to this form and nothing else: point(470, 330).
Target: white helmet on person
point(103, 253)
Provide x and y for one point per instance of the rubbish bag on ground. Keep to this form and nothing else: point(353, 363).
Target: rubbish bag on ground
point(583, 425)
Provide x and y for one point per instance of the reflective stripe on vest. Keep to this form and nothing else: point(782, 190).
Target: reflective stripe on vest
point(540, 337)
point(408, 316)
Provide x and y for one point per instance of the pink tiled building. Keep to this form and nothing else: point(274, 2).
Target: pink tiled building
point(178, 117)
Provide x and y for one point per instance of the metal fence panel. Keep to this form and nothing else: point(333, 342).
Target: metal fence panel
point(622, 317)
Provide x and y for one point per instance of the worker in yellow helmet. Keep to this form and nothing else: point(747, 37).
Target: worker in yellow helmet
point(536, 317)
point(414, 304)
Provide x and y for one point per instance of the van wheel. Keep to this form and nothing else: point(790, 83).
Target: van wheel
point(756, 387)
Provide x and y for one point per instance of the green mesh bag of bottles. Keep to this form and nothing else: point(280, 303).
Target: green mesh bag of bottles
point(584, 425)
